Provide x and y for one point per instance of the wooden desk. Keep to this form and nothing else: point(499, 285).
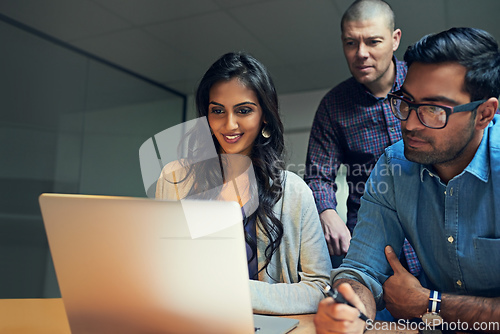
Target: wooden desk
point(47, 316)
point(23, 316)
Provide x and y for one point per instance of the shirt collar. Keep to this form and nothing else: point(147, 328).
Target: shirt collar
point(399, 78)
point(480, 164)
point(401, 70)
point(426, 170)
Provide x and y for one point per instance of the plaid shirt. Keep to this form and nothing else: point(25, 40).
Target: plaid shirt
point(352, 127)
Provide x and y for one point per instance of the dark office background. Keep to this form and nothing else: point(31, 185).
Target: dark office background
point(83, 83)
point(70, 123)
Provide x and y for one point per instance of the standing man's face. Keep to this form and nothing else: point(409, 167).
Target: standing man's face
point(368, 48)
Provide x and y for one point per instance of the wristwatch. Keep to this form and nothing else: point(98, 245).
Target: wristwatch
point(432, 316)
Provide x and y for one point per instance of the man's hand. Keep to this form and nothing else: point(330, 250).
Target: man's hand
point(404, 296)
point(337, 235)
point(340, 318)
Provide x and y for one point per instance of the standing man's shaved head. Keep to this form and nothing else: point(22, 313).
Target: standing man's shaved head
point(344, 130)
point(369, 41)
point(363, 10)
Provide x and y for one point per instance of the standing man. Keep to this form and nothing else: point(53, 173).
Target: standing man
point(439, 187)
point(354, 123)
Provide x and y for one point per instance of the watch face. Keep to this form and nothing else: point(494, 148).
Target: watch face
point(432, 319)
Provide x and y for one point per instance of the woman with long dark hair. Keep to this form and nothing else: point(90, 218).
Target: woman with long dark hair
point(287, 255)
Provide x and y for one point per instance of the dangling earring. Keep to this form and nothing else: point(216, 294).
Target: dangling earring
point(265, 132)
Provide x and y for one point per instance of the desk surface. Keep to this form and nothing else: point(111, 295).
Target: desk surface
point(44, 316)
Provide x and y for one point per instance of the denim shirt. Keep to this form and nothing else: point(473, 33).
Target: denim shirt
point(454, 228)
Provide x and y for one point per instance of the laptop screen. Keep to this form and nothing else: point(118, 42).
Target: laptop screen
point(131, 265)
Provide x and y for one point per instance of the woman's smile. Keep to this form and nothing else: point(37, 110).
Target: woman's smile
point(235, 116)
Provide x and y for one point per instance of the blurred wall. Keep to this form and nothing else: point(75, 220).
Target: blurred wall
point(68, 123)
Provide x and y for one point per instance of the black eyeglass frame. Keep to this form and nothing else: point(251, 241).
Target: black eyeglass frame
point(414, 106)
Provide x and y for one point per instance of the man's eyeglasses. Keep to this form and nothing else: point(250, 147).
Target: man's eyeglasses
point(431, 115)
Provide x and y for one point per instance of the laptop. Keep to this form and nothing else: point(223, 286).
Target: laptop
point(137, 265)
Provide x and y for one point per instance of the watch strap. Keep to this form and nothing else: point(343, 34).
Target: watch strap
point(434, 301)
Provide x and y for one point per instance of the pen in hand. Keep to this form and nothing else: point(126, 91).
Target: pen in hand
point(337, 296)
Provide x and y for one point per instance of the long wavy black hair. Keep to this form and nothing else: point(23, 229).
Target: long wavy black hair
point(266, 154)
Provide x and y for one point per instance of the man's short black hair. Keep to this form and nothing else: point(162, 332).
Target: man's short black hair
point(475, 49)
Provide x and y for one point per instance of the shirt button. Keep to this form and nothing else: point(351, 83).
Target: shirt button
point(450, 239)
point(459, 283)
point(451, 191)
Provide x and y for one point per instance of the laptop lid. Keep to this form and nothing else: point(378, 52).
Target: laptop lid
point(134, 265)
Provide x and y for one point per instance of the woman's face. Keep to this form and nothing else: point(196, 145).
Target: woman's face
point(235, 116)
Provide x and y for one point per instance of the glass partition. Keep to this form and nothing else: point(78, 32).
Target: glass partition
point(69, 123)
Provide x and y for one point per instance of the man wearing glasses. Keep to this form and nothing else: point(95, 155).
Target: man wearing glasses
point(440, 188)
